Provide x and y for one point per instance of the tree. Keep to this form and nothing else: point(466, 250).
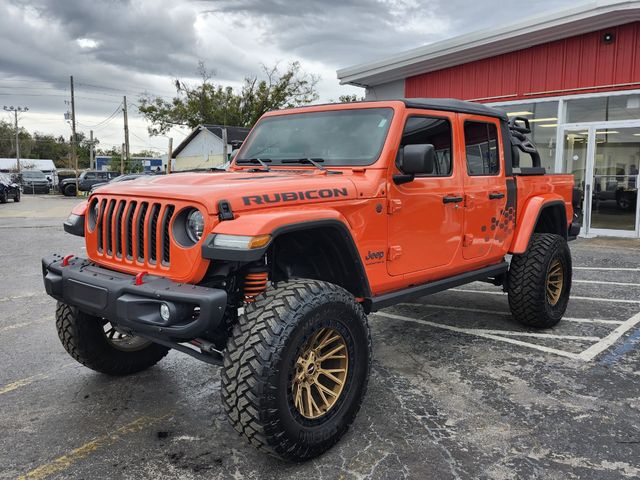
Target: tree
point(211, 103)
point(350, 98)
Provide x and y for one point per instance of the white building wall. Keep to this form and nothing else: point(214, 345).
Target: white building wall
point(204, 151)
point(386, 91)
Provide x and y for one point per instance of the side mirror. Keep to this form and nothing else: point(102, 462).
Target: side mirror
point(414, 160)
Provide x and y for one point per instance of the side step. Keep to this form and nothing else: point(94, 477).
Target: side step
point(388, 299)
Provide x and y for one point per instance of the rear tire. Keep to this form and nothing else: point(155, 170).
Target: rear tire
point(539, 281)
point(275, 358)
point(83, 337)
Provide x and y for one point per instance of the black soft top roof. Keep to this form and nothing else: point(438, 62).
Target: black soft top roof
point(453, 105)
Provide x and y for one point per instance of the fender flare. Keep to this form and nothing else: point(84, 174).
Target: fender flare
point(280, 224)
point(528, 219)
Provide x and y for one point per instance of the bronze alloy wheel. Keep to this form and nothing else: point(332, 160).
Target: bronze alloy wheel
point(555, 282)
point(123, 341)
point(321, 373)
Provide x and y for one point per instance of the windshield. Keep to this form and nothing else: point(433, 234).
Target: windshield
point(32, 174)
point(339, 137)
point(5, 178)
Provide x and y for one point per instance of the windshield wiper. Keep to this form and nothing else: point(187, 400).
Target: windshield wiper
point(261, 161)
point(313, 161)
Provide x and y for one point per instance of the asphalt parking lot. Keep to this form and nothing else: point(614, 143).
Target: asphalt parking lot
point(457, 390)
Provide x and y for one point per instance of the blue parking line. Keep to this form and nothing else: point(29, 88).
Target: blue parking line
point(628, 345)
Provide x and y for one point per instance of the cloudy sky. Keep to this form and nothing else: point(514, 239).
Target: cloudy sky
point(127, 47)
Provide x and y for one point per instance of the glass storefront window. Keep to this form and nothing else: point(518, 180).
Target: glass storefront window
point(544, 125)
point(603, 109)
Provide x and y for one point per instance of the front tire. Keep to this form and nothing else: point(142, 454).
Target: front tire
point(3, 197)
point(539, 281)
point(17, 197)
point(285, 384)
point(96, 344)
point(69, 191)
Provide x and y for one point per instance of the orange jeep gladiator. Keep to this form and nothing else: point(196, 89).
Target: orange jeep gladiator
point(326, 214)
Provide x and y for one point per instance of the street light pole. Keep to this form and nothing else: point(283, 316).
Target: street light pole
point(15, 111)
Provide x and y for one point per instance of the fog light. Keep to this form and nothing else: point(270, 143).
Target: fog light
point(165, 313)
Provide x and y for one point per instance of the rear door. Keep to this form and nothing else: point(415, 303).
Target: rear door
point(426, 214)
point(486, 222)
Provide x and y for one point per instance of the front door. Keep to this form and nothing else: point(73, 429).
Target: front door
point(425, 215)
point(604, 161)
point(487, 221)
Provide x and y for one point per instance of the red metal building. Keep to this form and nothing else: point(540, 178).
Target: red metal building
point(575, 74)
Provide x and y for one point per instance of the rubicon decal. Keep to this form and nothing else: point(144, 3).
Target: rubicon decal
point(293, 196)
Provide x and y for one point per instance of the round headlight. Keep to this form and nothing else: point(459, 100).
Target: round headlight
point(195, 225)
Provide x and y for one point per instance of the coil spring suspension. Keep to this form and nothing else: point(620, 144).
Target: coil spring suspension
point(254, 284)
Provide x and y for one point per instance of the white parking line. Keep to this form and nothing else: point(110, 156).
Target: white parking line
point(479, 333)
point(594, 350)
point(599, 282)
point(594, 299)
point(508, 314)
point(624, 269)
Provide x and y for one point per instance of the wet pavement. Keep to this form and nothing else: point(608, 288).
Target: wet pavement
point(457, 389)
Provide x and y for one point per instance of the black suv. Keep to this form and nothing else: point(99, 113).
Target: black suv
point(85, 181)
point(34, 181)
point(8, 189)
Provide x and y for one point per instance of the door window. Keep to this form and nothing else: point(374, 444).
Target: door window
point(481, 145)
point(434, 131)
point(90, 176)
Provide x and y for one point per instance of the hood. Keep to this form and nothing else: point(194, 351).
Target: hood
point(243, 190)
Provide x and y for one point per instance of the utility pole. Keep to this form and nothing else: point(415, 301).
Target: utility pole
point(225, 148)
point(91, 152)
point(15, 111)
point(73, 135)
point(169, 155)
point(122, 160)
point(126, 129)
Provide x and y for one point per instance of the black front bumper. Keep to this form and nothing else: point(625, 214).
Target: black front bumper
point(116, 297)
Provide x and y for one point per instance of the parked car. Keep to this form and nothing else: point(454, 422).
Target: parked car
point(121, 178)
point(8, 189)
point(34, 181)
point(86, 180)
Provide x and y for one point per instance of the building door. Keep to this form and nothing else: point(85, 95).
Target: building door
point(605, 160)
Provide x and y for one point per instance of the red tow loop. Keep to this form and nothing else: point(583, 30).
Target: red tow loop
point(65, 260)
point(139, 278)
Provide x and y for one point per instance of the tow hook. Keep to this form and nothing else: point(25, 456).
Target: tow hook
point(65, 260)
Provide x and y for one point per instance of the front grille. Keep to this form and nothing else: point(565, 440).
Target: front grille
point(133, 231)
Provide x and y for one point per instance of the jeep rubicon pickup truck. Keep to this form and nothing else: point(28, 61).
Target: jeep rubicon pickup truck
point(326, 214)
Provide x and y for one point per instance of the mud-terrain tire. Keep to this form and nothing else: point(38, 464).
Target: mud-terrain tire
point(262, 368)
point(69, 190)
point(83, 337)
point(539, 281)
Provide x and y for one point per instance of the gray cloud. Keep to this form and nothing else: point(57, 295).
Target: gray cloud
point(135, 45)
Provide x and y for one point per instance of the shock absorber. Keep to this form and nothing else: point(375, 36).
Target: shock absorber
point(255, 282)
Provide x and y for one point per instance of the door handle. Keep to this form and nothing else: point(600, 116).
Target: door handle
point(496, 195)
point(452, 199)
